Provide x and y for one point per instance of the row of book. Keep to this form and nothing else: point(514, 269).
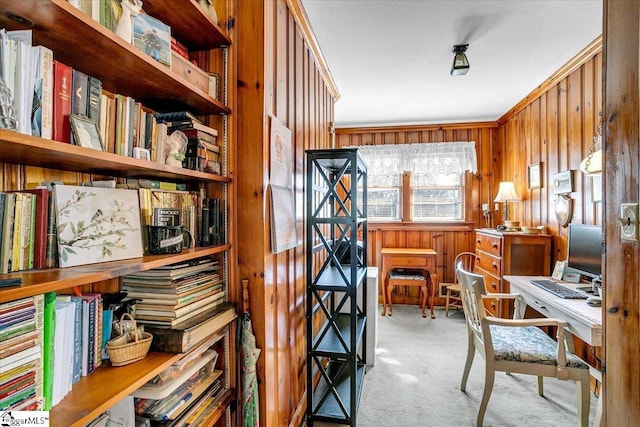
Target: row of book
point(55, 101)
point(27, 230)
point(47, 343)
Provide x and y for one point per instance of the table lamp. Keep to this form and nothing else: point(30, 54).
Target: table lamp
point(507, 193)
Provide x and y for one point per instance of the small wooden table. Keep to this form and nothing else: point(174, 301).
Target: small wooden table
point(410, 258)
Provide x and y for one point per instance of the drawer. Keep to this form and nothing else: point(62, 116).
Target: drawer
point(490, 244)
point(408, 261)
point(489, 263)
point(491, 282)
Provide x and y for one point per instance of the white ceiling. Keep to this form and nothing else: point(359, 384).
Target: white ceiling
point(390, 59)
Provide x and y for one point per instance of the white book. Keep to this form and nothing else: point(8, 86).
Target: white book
point(42, 125)
point(23, 78)
point(25, 356)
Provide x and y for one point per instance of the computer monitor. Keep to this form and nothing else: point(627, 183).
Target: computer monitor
point(585, 249)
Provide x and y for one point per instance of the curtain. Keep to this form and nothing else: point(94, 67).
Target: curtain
point(431, 158)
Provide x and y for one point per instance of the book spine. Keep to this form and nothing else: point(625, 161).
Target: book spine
point(43, 99)
point(80, 93)
point(17, 234)
point(6, 250)
point(47, 359)
point(51, 259)
point(25, 231)
point(94, 101)
point(40, 227)
point(91, 353)
point(62, 86)
point(77, 340)
point(32, 232)
point(3, 199)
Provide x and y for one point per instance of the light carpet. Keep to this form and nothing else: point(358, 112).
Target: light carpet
point(416, 381)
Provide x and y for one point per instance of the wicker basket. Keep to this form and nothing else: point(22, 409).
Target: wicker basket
point(125, 354)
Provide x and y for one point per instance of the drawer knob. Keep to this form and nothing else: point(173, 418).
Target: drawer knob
point(495, 266)
point(495, 246)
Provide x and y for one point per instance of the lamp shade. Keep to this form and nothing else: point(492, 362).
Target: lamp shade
point(592, 164)
point(507, 193)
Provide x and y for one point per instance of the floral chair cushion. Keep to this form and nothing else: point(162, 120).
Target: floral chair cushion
point(528, 344)
point(406, 276)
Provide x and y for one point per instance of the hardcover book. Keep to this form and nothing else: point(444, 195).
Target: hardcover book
point(62, 86)
point(42, 111)
point(181, 338)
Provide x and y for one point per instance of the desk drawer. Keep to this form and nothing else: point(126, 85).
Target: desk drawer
point(489, 263)
point(408, 261)
point(490, 244)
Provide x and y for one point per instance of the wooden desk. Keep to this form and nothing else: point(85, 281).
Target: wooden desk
point(583, 321)
point(412, 258)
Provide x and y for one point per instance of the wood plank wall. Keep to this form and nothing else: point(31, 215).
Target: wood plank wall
point(280, 74)
point(447, 239)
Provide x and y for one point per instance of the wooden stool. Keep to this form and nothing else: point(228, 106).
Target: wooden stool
point(407, 278)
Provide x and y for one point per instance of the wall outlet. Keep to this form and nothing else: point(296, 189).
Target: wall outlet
point(629, 221)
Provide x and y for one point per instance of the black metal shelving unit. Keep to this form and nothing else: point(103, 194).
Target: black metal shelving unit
point(336, 242)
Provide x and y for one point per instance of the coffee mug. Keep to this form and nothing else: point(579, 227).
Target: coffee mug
point(168, 239)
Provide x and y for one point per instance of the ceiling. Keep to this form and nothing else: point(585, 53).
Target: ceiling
point(390, 59)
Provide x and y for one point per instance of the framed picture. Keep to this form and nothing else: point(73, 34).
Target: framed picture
point(85, 132)
point(563, 182)
point(558, 270)
point(153, 37)
point(534, 175)
point(563, 208)
point(141, 153)
point(96, 224)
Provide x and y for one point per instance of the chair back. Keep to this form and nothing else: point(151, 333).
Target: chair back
point(471, 291)
point(467, 260)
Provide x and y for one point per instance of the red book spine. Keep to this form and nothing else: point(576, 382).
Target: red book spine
point(62, 86)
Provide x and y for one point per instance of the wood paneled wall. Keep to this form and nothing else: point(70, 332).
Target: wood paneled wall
point(279, 75)
point(555, 129)
point(447, 239)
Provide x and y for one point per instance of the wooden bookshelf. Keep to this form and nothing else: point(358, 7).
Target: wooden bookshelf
point(22, 149)
point(76, 38)
point(84, 44)
point(105, 387)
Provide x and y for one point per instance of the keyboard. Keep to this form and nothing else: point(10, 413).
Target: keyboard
point(558, 290)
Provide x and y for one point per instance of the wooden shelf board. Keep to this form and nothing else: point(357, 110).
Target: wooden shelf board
point(29, 150)
point(75, 38)
point(183, 20)
point(35, 282)
point(106, 386)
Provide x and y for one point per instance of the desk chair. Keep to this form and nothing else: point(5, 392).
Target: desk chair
point(453, 299)
point(408, 278)
point(517, 345)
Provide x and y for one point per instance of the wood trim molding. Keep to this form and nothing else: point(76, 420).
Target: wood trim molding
point(416, 128)
point(300, 16)
point(420, 226)
point(573, 64)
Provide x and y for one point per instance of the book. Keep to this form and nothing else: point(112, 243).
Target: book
point(62, 87)
point(94, 99)
point(210, 137)
point(164, 318)
point(17, 233)
point(176, 115)
point(51, 249)
point(6, 245)
point(164, 312)
point(42, 111)
point(80, 93)
point(183, 125)
point(77, 335)
point(48, 351)
point(182, 337)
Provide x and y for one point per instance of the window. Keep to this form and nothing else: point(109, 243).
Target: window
point(428, 177)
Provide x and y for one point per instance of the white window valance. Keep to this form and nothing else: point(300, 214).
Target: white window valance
point(432, 158)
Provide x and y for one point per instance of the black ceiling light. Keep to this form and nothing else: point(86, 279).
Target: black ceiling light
point(460, 62)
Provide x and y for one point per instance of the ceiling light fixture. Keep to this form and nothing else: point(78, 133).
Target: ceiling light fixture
point(460, 62)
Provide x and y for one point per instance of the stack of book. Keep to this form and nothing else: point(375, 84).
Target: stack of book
point(181, 393)
point(21, 341)
point(169, 296)
point(202, 152)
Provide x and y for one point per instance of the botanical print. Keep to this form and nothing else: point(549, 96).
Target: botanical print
point(97, 224)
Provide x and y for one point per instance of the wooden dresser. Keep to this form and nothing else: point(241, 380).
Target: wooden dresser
point(519, 254)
